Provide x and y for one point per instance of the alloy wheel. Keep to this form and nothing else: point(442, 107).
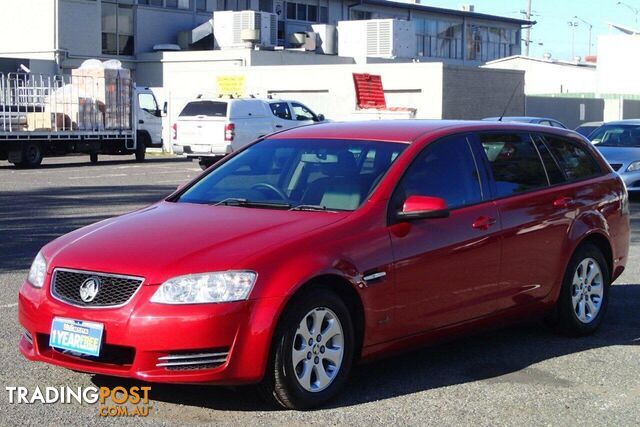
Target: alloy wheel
point(318, 349)
point(587, 290)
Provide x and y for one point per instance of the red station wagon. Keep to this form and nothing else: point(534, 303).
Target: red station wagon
point(318, 247)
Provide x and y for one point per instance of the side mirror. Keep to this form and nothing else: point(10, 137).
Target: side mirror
point(165, 108)
point(321, 117)
point(423, 207)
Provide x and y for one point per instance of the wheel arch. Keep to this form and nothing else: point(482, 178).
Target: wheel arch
point(600, 241)
point(342, 287)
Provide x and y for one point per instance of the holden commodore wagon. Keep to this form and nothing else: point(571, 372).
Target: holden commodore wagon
point(319, 247)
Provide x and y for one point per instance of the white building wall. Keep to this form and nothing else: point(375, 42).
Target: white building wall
point(29, 31)
point(618, 64)
point(542, 77)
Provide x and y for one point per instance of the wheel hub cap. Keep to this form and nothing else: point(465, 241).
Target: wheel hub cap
point(318, 349)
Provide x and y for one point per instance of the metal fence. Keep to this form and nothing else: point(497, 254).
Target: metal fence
point(64, 103)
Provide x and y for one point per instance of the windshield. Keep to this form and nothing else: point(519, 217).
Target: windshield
point(314, 174)
point(616, 136)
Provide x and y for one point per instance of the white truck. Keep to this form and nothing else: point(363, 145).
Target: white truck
point(92, 113)
point(209, 128)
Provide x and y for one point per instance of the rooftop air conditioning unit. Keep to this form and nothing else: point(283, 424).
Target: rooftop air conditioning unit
point(377, 38)
point(245, 29)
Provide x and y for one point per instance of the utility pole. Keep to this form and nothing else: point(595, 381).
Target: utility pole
point(590, 30)
point(573, 25)
point(527, 37)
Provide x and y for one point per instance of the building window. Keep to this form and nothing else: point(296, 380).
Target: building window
point(205, 5)
point(157, 3)
point(117, 29)
point(358, 15)
point(179, 4)
point(439, 39)
point(489, 43)
point(306, 12)
point(266, 6)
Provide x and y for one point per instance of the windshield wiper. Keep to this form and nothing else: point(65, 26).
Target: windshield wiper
point(238, 201)
point(308, 208)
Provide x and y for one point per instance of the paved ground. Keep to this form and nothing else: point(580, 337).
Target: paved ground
point(520, 376)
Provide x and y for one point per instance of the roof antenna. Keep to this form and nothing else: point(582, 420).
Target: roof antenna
point(509, 103)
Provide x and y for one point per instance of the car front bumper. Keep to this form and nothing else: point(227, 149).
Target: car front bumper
point(141, 338)
point(631, 180)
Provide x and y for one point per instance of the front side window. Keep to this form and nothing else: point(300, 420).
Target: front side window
point(307, 174)
point(281, 110)
point(445, 169)
point(300, 112)
point(575, 160)
point(515, 163)
point(616, 136)
point(148, 103)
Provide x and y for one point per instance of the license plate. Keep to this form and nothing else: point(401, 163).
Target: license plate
point(201, 148)
point(76, 335)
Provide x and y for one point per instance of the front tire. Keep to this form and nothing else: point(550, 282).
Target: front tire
point(312, 352)
point(585, 292)
point(31, 156)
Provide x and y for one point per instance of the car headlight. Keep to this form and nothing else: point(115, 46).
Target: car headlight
point(38, 271)
point(204, 288)
point(634, 166)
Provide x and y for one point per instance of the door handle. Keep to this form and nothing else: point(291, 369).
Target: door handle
point(141, 122)
point(278, 126)
point(563, 202)
point(484, 223)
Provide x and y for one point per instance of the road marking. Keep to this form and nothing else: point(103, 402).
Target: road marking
point(9, 305)
point(98, 176)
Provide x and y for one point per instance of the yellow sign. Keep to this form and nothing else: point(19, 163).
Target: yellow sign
point(231, 85)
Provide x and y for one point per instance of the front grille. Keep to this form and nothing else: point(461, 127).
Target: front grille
point(109, 354)
point(616, 166)
point(191, 361)
point(113, 290)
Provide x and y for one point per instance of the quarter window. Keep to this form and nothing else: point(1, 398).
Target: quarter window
point(515, 163)
point(575, 160)
point(446, 169)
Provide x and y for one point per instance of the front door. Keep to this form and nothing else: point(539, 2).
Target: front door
point(446, 270)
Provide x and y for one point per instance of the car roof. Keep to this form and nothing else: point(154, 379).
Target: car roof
point(633, 122)
point(207, 98)
point(405, 131)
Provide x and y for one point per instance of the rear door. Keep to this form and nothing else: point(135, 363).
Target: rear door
point(201, 126)
point(535, 215)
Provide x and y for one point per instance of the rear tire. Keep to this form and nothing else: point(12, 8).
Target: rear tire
point(304, 372)
point(141, 149)
point(31, 156)
point(93, 157)
point(585, 292)
point(206, 162)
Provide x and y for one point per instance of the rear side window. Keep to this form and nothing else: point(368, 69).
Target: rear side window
point(445, 169)
point(555, 174)
point(576, 162)
point(205, 108)
point(281, 110)
point(514, 162)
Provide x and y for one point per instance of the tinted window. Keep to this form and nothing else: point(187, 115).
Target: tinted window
point(281, 110)
point(288, 173)
point(616, 136)
point(550, 164)
point(515, 163)
point(575, 160)
point(205, 108)
point(444, 169)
